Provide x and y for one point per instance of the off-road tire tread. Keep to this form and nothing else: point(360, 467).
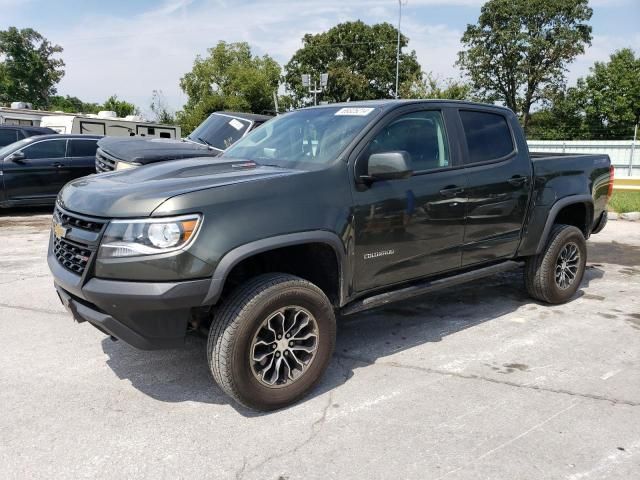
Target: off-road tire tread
point(537, 267)
point(230, 316)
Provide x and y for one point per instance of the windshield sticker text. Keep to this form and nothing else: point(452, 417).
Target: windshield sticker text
point(236, 124)
point(354, 111)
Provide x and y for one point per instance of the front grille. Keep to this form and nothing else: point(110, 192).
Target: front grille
point(71, 255)
point(104, 162)
point(74, 247)
point(81, 223)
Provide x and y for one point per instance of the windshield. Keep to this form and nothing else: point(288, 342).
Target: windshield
point(303, 138)
point(220, 131)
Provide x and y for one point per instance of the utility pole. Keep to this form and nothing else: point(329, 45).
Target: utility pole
point(633, 149)
point(306, 82)
point(398, 46)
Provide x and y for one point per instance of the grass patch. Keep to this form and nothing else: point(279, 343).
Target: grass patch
point(623, 202)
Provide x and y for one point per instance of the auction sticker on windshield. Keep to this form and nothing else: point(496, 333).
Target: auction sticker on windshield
point(236, 124)
point(355, 111)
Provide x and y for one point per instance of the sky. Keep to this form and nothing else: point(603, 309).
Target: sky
point(132, 47)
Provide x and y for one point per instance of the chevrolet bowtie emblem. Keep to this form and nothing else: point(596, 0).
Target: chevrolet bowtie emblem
point(59, 231)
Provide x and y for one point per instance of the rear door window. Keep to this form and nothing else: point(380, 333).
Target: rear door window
point(82, 148)
point(488, 136)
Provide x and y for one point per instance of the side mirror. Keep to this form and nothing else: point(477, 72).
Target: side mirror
point(18, 157)
point(388, 166)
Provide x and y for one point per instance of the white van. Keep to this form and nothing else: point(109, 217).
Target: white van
point(106, 123)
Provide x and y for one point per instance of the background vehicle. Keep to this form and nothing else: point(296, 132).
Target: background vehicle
point(10, 133)
point(107, 123)
point(212, 137)
point(34, 170)
point(264, 245)
point(22, 114)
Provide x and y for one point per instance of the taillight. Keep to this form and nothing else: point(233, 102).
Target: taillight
point(611, 175)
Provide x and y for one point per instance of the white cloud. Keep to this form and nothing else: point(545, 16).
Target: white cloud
point(131, 56)
point(602, 46)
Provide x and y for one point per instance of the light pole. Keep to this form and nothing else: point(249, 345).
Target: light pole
point(398, 47)
point(306, 82)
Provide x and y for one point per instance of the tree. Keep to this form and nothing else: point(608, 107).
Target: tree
point(121, 107)
point(610, 96)
point(229, 78)
point(562, 119)
point(29, 69)
point(160, 109)
point(518, 51)
point(428, 86)
point(359, 58)
point(71, 105)
point(604, 105)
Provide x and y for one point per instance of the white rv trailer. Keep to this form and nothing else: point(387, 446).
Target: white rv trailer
point(21, 113)
point(106, 123)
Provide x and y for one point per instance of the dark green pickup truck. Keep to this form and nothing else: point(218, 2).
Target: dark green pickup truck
point(322, 211)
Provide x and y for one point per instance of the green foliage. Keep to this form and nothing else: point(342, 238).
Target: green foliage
point(623, 202)
point(609, 96)
point(360, 60)
point(71, 105)
point(229, 78)
point(121, 107)
point(428, 86)
point(29, 70)
point(163, 114)
point(603, 106)
point(518, 51)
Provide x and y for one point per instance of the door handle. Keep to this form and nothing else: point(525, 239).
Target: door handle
point(57, 165)
point(518, 181)
point(451, 192)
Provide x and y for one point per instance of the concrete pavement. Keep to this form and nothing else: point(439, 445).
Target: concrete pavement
point(477, 382)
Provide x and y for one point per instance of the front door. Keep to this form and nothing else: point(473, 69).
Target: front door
point(414, 227)
point(40, 175)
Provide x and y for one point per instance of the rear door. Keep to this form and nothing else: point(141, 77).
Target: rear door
point(414, 227)
point(40, 175)
point(81, 157)
point(497, 191)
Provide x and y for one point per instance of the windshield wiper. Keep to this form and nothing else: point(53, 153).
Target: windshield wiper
point(202, 140)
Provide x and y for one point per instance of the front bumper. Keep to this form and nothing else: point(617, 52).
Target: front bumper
point(146, 315)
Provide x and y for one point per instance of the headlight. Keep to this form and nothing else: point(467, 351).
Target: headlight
point(125, 165)
point(129, 238)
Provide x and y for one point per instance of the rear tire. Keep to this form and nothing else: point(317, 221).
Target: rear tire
point(242, 332)
point(554, 275)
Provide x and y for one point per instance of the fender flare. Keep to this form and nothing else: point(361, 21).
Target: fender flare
point(236, 255)
point(553, 213)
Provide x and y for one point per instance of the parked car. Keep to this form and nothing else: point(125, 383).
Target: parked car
point(265, 245)
point(12, 133)
point(217, 133)
point(33, 170)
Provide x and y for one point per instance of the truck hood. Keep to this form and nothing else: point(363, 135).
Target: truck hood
point(138, 192)
point(149, 150)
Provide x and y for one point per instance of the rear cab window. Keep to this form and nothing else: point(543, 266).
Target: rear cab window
point(488, 136)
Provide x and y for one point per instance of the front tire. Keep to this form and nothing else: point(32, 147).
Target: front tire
point(554, 275)
point(271, 341)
